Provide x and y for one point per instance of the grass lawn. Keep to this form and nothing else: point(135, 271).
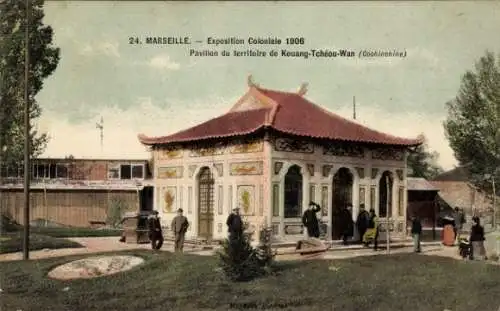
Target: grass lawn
point(13, 242)
point(75, 232)
point(169, 282)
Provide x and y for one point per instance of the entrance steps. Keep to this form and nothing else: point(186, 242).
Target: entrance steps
point(285, 247)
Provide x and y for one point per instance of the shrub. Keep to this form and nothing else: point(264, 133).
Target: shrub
point(241, 262)
point(116, 209)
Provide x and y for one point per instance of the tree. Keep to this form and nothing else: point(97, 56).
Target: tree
point(422, 162)
point(241, 262)
point(44, 58)
point(473, 123)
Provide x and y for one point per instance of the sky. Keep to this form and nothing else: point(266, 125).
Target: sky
point(161, 89)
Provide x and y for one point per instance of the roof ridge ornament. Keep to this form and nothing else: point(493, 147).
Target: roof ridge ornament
point(303, 89)
point(250, 81)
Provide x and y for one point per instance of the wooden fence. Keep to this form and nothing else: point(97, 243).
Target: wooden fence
point(77, 208)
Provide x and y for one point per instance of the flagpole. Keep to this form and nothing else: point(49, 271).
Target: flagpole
point(26, 238)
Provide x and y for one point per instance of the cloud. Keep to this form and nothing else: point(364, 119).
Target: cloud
point(107, 48)
point(163, 62)
point(121, 127)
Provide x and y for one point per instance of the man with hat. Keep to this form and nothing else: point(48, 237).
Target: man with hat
point(234, 224)
point(180, 225)
point(155, 232)
point(310, 220)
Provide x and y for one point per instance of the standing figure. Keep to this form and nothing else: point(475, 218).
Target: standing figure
point(347, 224)
point(179, 225)
point(371, 233)
point(234, 225)
point(362, 222)
point(155, 232)
point(310, 220)
point(416, 232)
point(477, 239)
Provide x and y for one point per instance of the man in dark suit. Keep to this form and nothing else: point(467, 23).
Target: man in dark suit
point(179, 225)
point(155, 232)
point(234, 224)
point(310, 220)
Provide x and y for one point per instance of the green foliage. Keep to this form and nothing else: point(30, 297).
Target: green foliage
point(8, 224)
point(44, 58)
point(116, 209)
point(13, 242)
point(423, 163)
point(473, 123)
point(241, 262)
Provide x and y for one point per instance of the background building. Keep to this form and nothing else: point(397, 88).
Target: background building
point(76, 192)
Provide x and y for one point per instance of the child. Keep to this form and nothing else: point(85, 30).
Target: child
point(416, 232)
point(464, 248)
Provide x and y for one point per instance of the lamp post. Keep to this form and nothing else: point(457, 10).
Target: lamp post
point(493, 186)
point(26, 237)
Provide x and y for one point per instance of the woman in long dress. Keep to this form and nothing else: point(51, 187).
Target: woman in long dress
point(371, 233)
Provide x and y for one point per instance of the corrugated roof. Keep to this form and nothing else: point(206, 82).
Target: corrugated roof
point(284, 112)
point(420, 184)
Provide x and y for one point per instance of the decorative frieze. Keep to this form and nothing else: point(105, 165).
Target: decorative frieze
point(361, 172)
point(326, 170)
point(207, 152)
point(169, 154)
point(312, 192)
point(362, 195)
point(293, 145)
point(276, 200)
point(219, 167)
point(229, 199)
point(170, 200)
point(310, 169)
point(324, 200)
point(294, 229)
point(275, 228)
point(401, 206)
point(388, 154)
point(344, 150)
point(220, 199)
point(190, 200)
point(261, 200)
point(374, 172)
point(246, 168)
point(246, 199)
point(277, 167)
point(191, 169)
point(248, 148)
point(400, 174)
point(373, 191)
point(170, 172)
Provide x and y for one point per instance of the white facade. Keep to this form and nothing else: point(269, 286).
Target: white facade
point(252, 177)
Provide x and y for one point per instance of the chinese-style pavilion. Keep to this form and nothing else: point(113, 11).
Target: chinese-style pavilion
point(271, 154)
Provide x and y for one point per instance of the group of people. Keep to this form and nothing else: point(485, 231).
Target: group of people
point(179, 228)
point(366, 224)
point(180, 225)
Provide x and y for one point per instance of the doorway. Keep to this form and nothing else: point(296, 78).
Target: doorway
point(385, 195)
point(293, 192)
point(205, 203)
point(341, 197)
point(146, 196)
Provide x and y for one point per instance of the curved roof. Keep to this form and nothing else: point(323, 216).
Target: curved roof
point(284, 112)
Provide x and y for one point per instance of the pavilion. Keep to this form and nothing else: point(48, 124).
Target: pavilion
point(270, 155)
